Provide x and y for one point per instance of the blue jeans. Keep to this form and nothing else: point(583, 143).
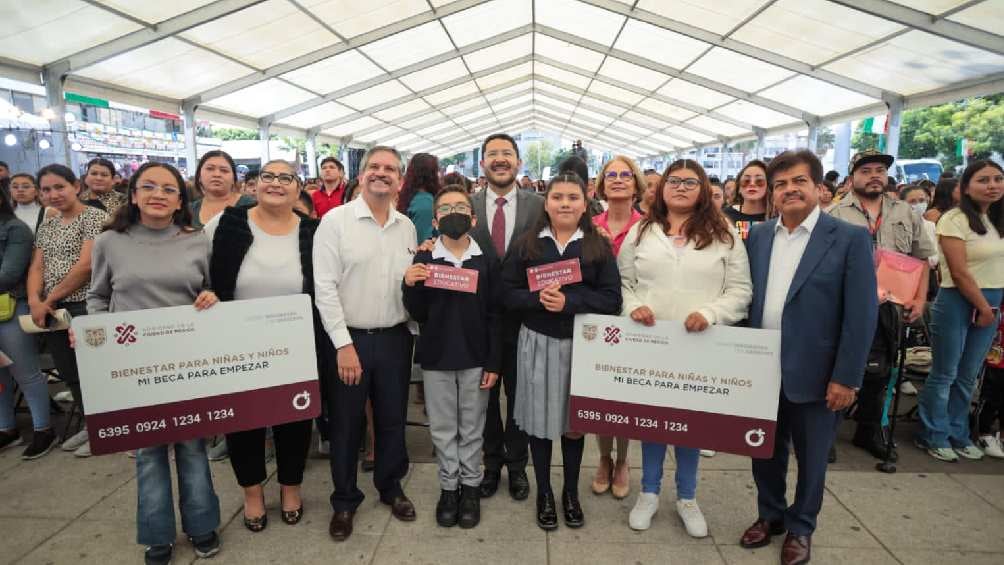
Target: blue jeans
point(652, 457)
point(20, 347)
point(958, 349)
point(200, 508)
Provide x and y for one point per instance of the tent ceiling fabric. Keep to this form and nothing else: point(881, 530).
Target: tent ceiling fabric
point(633, 76)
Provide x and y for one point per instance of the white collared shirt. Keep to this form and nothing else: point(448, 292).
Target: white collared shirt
point(784, 259)
point(358, 269)
point(546, 232)
point(509, 209)
point(439, 251)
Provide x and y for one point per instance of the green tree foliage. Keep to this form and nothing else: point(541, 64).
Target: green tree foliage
point(539, 154)
point(935, 131)
point(235, 134)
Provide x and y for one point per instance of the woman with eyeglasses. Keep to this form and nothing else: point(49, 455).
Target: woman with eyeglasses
point(751, 206)
point(260, 252)
point(683, 263)
point(27, 205)
point(620, 183)
point(216, 180)
point(60, 275)
point(98, 186)
point(150, 257)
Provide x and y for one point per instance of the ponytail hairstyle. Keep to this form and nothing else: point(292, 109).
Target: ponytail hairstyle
point(595, 247)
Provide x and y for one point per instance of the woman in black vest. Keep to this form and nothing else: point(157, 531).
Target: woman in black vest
point(258, 252)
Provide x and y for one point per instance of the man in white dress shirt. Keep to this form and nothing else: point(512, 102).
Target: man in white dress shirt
point(361, 251)
point(813, 279)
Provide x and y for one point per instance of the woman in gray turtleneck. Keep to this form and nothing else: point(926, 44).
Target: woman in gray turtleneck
point(150, 257)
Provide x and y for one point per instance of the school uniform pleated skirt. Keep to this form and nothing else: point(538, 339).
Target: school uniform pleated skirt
point(544, 373)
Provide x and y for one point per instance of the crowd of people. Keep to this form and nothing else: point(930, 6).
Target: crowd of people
point(780, 247)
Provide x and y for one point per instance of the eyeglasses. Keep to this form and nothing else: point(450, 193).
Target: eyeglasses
point(688, 184)
point(460, 208)
point(151, 188)
point(623, 175)
point(754, 181)
point(284, 179)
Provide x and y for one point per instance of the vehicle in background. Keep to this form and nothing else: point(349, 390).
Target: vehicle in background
point(913, 170)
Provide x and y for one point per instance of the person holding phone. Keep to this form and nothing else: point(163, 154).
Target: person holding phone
point(965, 313)
point(60, 274)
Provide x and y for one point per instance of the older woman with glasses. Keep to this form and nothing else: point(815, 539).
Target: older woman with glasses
point(260, 252)
point(620, 182)
point(752, 198)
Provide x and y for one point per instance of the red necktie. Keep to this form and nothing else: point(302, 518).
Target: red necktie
point(498, 227)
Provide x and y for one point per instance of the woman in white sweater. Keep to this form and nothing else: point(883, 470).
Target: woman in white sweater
point(683, 262)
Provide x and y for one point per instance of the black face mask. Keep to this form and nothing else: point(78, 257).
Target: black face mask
point(454, 225)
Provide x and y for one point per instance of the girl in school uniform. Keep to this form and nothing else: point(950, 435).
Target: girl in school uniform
point(544, 347)
point(460, 355)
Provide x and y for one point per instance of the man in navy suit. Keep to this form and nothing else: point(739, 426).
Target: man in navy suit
point(813, 279)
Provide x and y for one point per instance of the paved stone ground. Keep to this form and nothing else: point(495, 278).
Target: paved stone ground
point(60, 510)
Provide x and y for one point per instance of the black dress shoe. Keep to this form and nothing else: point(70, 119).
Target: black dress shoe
point(470, 507)
point(489, 483)
point(547, 512)
point(341, 525)
point(447, 508)
point(519, 485)
point(574, 518)
point(291, 517)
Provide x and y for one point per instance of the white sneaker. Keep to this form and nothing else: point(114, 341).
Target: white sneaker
point(693, 518)
point(644, 509)
point(708, 452)
point(945, 454)
point(323, 447)
point(907, 388)
point(970, 452)
point(992, 446)
point(84, 450)
point(75, 441)
point(65, 396)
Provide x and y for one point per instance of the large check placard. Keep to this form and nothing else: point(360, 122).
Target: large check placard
point(171, 374)
point(717, 389)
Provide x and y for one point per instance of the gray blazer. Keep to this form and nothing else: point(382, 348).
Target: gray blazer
point(529, 207)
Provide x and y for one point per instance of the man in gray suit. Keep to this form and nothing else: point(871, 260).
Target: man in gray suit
point(504, 213)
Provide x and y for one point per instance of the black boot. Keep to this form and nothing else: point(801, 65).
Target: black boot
point(547, 512)
point(447, 508)
point(573, 510)
point(872, 439)
point(470, 507)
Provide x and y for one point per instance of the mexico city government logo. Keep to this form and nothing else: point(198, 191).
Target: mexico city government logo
point(125, 334)
point(612, 335)
point(589, 332)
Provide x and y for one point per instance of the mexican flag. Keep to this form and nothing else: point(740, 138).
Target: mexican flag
point(875, 124)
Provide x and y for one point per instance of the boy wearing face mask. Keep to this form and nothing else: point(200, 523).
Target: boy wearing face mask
point(460, 354)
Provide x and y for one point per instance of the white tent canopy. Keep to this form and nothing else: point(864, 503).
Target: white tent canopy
point(641, 77)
